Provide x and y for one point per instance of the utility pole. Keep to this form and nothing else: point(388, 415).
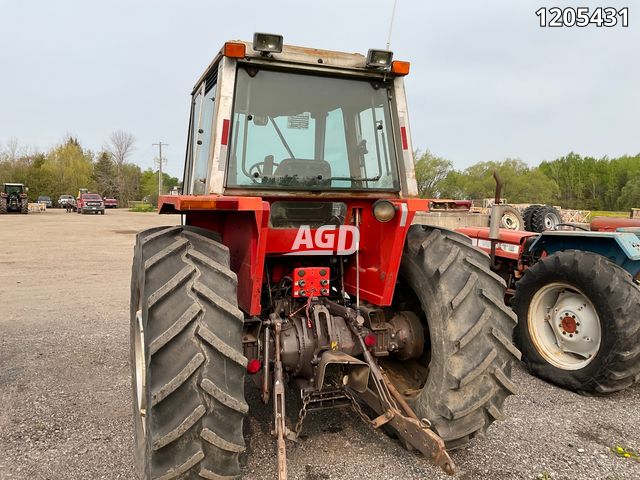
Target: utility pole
point(160, 144)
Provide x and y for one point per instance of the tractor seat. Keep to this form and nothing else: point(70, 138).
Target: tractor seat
point(303, 168)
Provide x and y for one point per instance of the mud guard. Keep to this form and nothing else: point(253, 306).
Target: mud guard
point(622, 247)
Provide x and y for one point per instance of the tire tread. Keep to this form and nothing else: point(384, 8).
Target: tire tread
point(619, 366)
point(193, 334)
point(453, 281)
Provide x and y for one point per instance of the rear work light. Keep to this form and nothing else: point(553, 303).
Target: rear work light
point(267, 43)
point(379, 59)
point(234, 50)
point(384, 211)
point(400, 68)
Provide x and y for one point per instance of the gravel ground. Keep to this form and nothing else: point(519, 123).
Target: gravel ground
point(64, 383)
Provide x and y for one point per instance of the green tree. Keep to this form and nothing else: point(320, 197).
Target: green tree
point(66, 169)
point(431, 171)
point(630, 194)
point(149, 184)
point(590, 183)
point(454, 185)
point(104, 175)
point(129, 187)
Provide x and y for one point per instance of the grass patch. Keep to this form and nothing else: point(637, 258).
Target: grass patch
point(601, 213)
point(143, 207)
point(625, 452)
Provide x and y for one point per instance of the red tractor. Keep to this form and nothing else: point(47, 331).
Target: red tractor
point(297, 265)
point(577, 297)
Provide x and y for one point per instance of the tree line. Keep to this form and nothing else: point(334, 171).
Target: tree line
point(571, 181)
point(67, 167)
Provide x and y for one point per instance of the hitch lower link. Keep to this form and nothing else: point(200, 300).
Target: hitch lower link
point(385, 400)
point(394, 411)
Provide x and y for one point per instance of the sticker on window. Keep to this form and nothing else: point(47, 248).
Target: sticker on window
point(298, 122)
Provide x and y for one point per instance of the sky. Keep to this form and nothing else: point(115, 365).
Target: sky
point(486, 82)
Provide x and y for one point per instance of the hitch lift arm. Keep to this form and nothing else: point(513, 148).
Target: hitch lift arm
point(278, 404)
point(414, 432)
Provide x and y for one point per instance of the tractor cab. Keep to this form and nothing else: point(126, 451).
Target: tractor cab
point(274, 120)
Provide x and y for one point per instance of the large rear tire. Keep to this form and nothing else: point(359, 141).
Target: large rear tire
point(470, 331)
point(545, 218)
point(3, 205)
point(186, 357)
point(579, 323)
point(527, 214)
point(24, 206)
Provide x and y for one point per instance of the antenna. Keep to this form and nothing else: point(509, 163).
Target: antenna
point(393, 14)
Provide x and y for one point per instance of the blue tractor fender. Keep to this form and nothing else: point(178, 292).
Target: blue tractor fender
point(621, 247)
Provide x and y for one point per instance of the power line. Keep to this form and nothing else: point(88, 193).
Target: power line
point(160, 145)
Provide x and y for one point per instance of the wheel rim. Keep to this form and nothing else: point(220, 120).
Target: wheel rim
point(511, 221)
point(141, 371)
point(564, 326)
point(551, 220)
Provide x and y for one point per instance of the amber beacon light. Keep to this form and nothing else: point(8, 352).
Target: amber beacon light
point(234, 50)
point(400, 68)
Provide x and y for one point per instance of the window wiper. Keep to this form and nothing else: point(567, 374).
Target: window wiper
point(320, 180)
point(284, 142)
point(353, 179)
point(287, 179)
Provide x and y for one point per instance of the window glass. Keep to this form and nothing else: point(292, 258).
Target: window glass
point(335, 147)
point(298, 131)
point(374, 142)
point(204, 111)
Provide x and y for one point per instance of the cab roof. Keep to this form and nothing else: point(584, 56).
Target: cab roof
point(313, 56)
point(303, 57)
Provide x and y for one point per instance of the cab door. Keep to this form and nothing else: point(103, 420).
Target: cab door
point(204, 108)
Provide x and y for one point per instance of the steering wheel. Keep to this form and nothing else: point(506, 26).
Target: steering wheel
point(258, 171)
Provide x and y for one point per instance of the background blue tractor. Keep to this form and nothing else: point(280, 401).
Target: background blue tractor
point(577, 297)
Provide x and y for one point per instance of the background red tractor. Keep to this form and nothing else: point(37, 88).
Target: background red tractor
point(297, 263)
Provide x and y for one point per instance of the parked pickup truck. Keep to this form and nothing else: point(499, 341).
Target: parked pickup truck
point(65, 200)
point(90, 203)
point(110, 203)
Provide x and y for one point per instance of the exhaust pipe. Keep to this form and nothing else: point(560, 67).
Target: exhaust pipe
point(495, 218)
